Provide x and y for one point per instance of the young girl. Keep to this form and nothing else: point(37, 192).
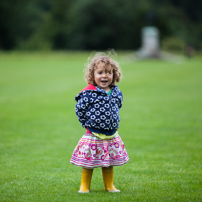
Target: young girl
point(97, 109)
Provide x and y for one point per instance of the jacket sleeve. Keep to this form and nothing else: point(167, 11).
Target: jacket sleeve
point(81, 108)
point(120, 100)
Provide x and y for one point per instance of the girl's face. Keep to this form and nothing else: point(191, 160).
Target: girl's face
point(103, 76)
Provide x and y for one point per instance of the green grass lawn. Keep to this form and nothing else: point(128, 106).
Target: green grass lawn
point(161, 126)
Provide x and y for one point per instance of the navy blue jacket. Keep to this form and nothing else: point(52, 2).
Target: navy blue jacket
point(98, 111)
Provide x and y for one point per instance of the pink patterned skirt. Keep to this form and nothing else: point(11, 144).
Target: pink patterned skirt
point(92, 152)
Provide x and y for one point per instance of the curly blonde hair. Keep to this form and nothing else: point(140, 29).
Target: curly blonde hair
point(98, 57)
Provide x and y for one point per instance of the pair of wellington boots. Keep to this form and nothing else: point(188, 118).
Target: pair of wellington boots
point(107, 174)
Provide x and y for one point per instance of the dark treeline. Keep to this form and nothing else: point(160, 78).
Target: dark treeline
point(95, 24)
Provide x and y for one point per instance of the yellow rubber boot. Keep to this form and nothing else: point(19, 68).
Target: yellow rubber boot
point(85, 180)
point(108, 178)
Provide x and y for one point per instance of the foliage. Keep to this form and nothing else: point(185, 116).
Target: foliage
point(160, 126)
point(94, 24)
point(173, 44)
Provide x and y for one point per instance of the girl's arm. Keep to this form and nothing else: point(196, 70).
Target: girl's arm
point(81, 108)
point(120, 100)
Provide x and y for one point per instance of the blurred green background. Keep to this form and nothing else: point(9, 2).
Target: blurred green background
point(44, 45)
point(96, 25)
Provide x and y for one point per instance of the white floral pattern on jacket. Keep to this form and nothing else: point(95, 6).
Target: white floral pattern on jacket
point(96, 109)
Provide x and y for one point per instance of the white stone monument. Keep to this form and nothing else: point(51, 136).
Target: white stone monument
point(150, 43)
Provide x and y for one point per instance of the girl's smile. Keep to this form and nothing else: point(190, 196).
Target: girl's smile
point(103, 76)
